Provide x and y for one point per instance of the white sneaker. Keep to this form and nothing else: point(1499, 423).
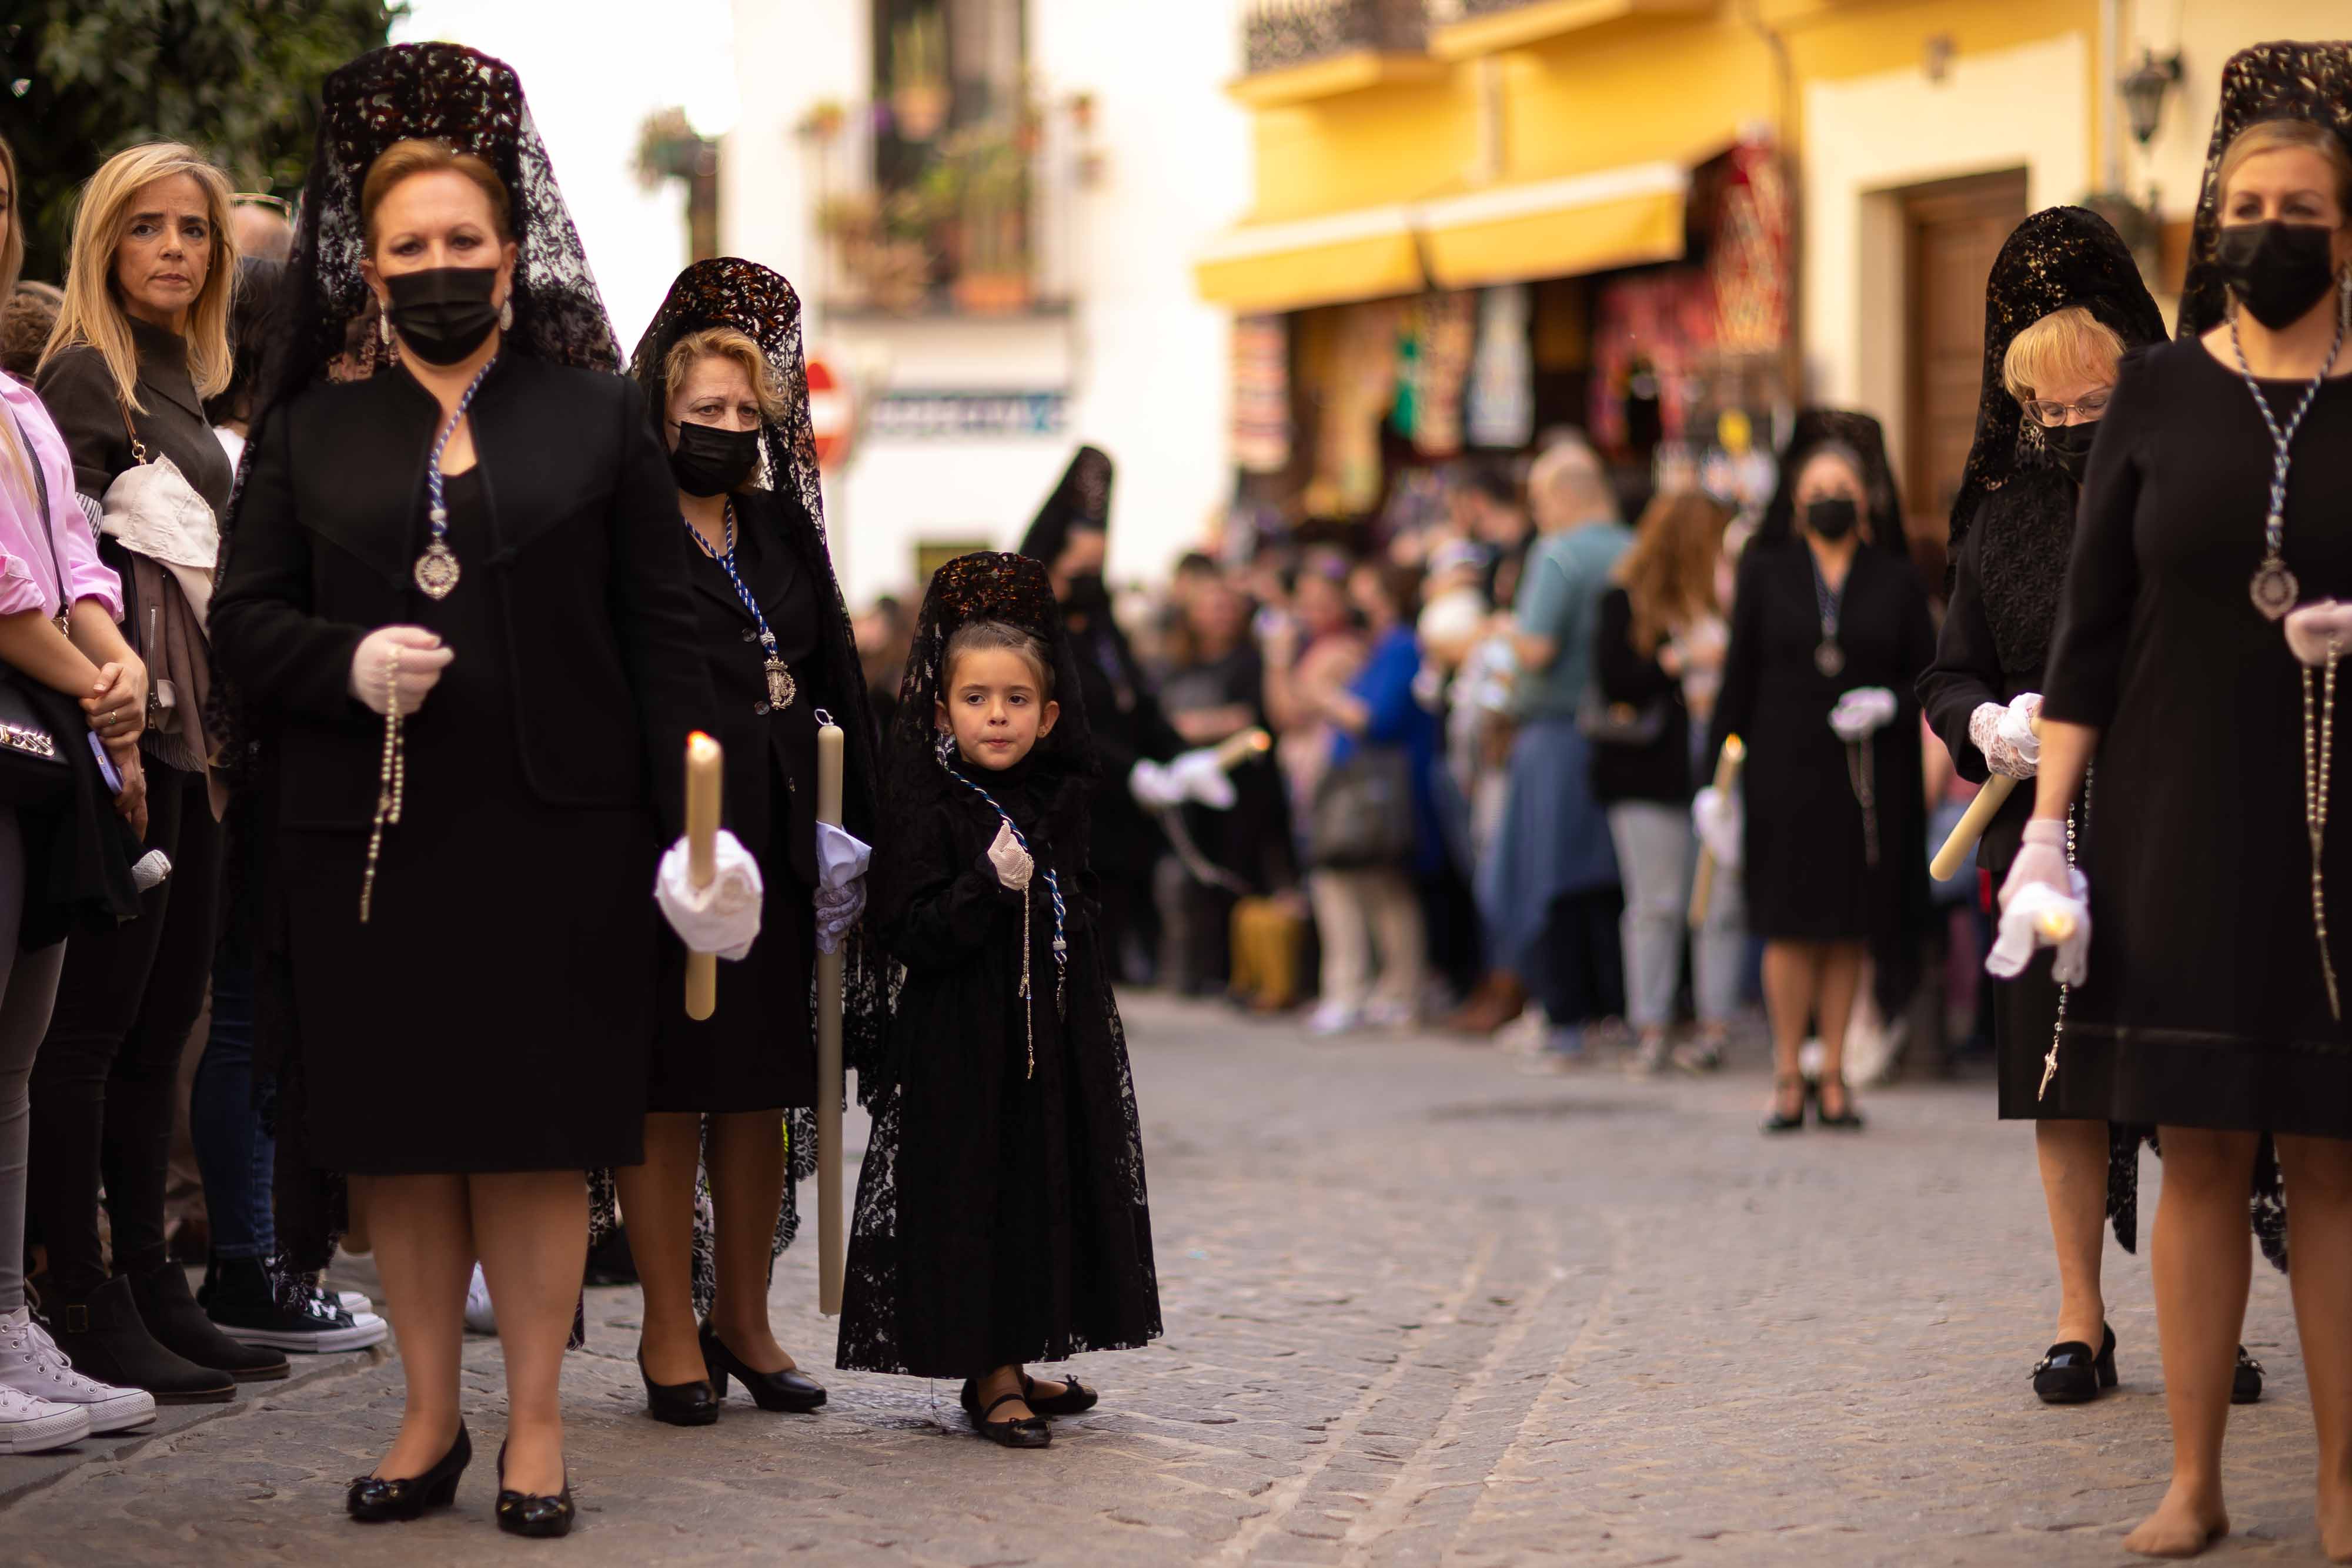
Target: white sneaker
point(1390, 1014)
point(30, 1426)
point(1332, 1018)
point(32, 1365)
point(355, 1302)
point(479, 1317)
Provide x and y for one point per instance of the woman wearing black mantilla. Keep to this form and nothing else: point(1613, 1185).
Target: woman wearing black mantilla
point(456, 605)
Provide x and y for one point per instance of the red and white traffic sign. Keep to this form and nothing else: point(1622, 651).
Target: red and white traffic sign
point(830, 413)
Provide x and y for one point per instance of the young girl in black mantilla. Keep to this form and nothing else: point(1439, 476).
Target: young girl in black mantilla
point(1001, 1211)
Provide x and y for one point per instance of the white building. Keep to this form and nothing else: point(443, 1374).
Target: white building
point(965, 417)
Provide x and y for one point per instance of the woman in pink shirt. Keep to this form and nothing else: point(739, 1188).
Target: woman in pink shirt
point(58, 607)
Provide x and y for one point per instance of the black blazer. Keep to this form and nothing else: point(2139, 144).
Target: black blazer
point(1660, 771)
point(1967, 675)
point(590, 574)
point(80, 393)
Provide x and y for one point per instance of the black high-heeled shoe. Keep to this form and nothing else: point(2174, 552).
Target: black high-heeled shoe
point(2069, 1373)
point(1846, 1120)
point(531, 1514)
point(375, 1500)
point(1029, 1431)
point(792, 1391)
point(1781, 1121)
point(679, 1403)
point(2246, 1383)
point(1075, 1399)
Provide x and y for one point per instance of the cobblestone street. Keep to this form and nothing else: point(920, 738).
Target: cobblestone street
point(1422, 1308)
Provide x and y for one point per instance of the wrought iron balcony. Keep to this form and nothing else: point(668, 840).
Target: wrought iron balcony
point(1278, 35)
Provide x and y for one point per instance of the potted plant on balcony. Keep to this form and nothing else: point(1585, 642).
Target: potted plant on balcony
point(991, 199)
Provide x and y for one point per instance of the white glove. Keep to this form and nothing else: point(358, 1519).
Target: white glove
point(2005, 734)
point(1154, 785)
point(841, 862)
point(1715, 814)
point(2316, 630)
point(1014, 866)
point(2040, 862)
point(722, 918)
point(422, 660)
point(2041, 917)
point(1203, 779)
point(1863, 713)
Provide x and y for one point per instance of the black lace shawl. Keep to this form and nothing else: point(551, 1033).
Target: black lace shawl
point(2281, 80)
point(1883, 524)
point(759, 303)
point(1082, 500)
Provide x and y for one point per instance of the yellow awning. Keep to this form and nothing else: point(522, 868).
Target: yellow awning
point(1256, 268)
point(1544, 228)
point(1557, 228)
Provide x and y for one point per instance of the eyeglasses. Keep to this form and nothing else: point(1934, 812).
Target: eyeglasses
point(2040, 411)
point(278, 204)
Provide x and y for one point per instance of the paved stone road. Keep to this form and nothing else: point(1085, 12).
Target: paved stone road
point(1423, 1308)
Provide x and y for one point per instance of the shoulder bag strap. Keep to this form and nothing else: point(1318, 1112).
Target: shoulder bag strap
point(138, 447)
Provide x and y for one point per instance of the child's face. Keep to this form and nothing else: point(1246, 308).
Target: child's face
point(994, 709)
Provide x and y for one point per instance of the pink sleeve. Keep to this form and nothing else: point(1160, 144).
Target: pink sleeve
point(87, 577)
point(26, 580)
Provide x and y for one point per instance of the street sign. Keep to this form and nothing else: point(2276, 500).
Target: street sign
point(829, 413)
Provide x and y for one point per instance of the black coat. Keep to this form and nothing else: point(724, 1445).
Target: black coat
point(1660, 771)
point(585, 518)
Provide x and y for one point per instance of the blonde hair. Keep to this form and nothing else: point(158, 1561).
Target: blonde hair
point(412, 156)
point(725, 343)
point(2283, 135)
point(1668, 571)
point(2068, 345)
point(1567, 485)
point(12, 451)
point(93, 315)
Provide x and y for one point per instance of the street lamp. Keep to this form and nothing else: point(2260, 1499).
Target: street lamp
point(2143, 91)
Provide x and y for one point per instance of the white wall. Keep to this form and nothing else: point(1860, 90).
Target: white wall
point(1869, 137)
point(1145, 362)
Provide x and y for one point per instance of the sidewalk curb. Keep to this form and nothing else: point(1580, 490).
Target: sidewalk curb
point(22, 1475)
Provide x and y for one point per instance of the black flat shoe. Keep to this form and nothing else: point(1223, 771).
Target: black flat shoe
point(793, 1392)
point(1781, 1121)
point(2246, 1384)
point(1846, 1120)
point(692, 1403)
point(2071, 1375)
point(372, 1500)
point(1030, 1432)
point(1075, 1399)
point(529, 1513)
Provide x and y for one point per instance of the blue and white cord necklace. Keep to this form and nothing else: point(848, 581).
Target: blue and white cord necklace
point(781, 688)
point(436, 568)
point(1054, 890)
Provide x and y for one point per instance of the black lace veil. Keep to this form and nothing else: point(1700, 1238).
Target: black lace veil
point(2058, 258)
point(1815, 427)
point(1082, 500)
point(759, 303)
point(2281, 80)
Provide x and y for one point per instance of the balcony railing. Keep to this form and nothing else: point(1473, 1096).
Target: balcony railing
point(1278, 35)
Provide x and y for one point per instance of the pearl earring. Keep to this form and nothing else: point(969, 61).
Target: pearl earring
point(384, 326)
point(505, 314)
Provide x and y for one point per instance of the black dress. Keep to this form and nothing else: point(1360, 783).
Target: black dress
point(495, 1012)
point(1995, 639)
point(1000, 1215)
point(756, 1053)
point(1811, 873)
point(2204, 968)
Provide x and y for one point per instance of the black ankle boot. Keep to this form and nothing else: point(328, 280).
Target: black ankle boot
point(169, 1310)
point(105, 1338)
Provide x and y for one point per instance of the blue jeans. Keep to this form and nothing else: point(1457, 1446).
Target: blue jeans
point(234, 1153)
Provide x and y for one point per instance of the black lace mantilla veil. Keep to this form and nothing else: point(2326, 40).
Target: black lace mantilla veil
point(324, 330)
point(759, 303)
point(1815, 427)
point(2281, 80)
point(1082, 500)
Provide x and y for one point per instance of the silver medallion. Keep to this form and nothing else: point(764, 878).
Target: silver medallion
point(1830, 660)
point(2273, 587)
point(436, 571)
point(781, 688)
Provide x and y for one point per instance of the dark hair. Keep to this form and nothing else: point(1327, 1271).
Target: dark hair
point(975, 636)
point(1495, 478)
point(251, 311)
point(1193, 563)
point(1400, 585)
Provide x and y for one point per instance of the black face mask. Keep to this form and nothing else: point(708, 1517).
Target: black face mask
point(2277, 270)
point(2069, 446)
point(1832, 519)
point(1088, 594)
point(709, 461)
point(443, 313)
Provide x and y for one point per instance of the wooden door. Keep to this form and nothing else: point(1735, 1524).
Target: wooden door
point(1952, 232)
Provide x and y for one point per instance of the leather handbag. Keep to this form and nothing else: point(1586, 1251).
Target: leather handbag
point(1605, 723)
point(33, 771)
point(1362, 817)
